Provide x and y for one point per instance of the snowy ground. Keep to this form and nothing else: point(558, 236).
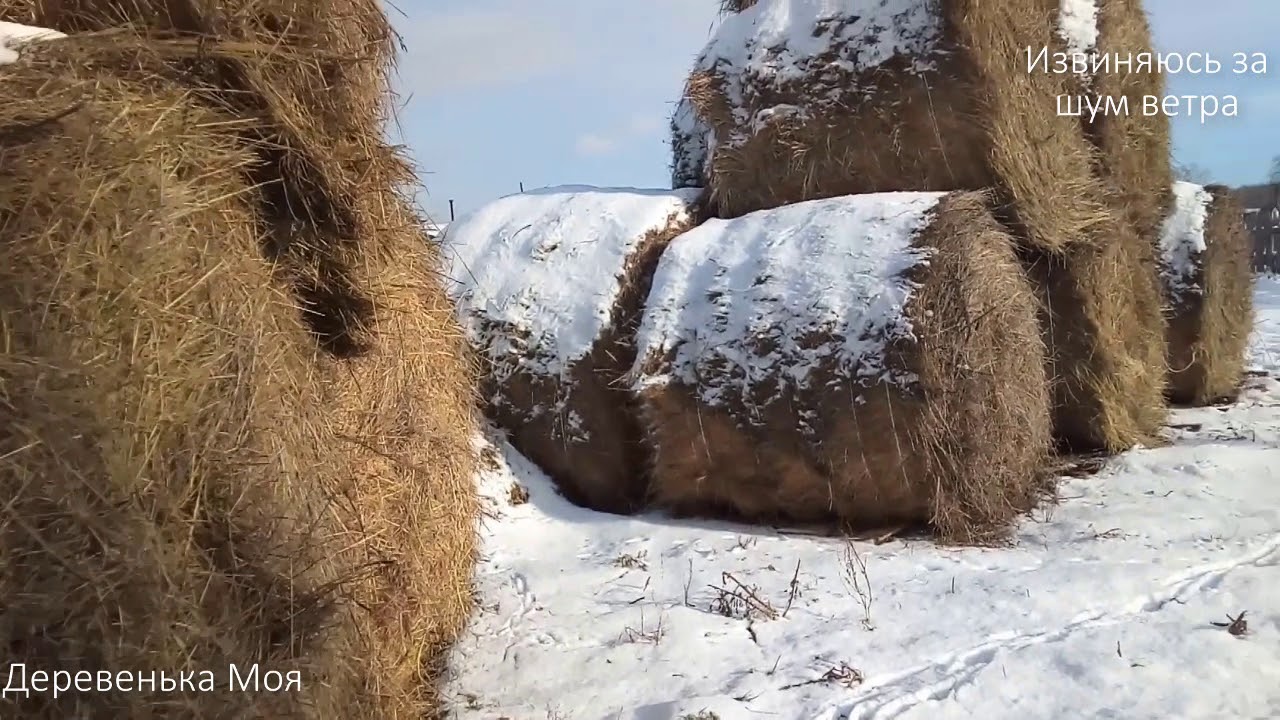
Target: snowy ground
point(1104, 607)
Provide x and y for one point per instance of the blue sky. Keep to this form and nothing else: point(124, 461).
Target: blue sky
point(549, 92)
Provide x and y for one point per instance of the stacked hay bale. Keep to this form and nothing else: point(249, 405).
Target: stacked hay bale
point(869, 359)
point(550, 285)
point(214, 457)
point(1208, 282)
point(803, 100)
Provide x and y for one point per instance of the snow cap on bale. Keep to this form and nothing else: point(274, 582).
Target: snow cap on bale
point(1205, 265)
point(865, 359)
point(549, 286)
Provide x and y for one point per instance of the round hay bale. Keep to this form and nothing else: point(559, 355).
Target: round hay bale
point(808, 100)
point(197, 477)
point(869, 359)
point(1208, 280)
point(155, 427)
point(550, 285)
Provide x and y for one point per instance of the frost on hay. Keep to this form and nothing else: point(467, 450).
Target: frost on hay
point(1208, 280)
point(548, 286)
point(835, 359)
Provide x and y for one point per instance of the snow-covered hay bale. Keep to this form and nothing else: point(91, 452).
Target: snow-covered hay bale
point(802, 99)
point(1208, 283)
point(550, 286)
point(193, 476)
point(870, 359)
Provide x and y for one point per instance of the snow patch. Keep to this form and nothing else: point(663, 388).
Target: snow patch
point(1078, 26)
point(1182, 237)
point(778, 42)
point(13, 36)
point(821, 283)
point(535, 275)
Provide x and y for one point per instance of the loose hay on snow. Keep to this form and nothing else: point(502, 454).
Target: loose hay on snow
point(1209, 285)
point(194, 479)
point(796, 100)
point(870, 359)
point(550, 285)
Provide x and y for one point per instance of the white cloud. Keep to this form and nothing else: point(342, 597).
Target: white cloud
point(595, 145)
point(480, 49)
point(638, 126)
point(645, 124)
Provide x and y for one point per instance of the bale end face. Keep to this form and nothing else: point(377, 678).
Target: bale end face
point(947, 423)
point(552, 287)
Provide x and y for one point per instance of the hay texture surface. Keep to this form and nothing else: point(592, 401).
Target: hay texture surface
point(808, 99)
point(1208, 281)
point(549, 286)
point(871, 359)
point(161, 509)
point(195, 475)
point(1134, 148)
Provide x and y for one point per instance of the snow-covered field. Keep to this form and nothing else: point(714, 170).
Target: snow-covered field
point(1104, 607)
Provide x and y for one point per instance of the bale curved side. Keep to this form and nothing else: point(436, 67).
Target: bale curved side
point(963, 448)
point(1134, 147)
point(157, 447)
point(1106, 362)
point(1208, 331)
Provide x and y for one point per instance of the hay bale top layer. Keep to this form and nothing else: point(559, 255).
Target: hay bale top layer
point(779, 42)
point(815, 284)
point(818, 52)
point(537, 274)
point(13, 36)
point(1182, 238)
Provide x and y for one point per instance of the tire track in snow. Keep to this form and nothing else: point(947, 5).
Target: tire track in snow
point(936, 680)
